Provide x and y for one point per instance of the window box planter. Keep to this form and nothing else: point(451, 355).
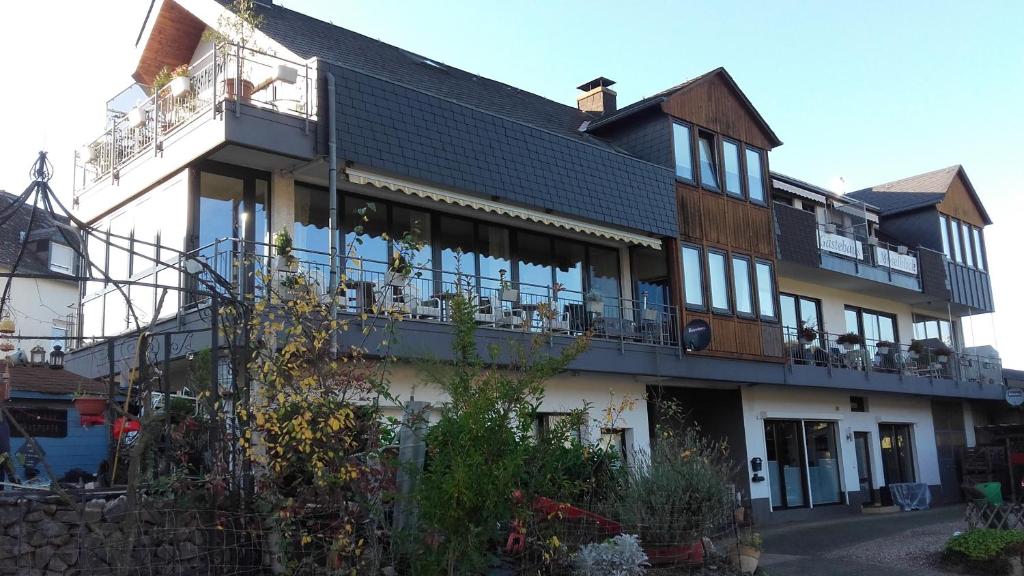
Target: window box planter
point(180, 86)
point(872, 240)
point(885, 348)
point(508, 295)
point(901, 249)
point(90, 405)
point(137, 117)
point(850, 340)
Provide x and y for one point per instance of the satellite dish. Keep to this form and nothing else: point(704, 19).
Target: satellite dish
point(696, 335)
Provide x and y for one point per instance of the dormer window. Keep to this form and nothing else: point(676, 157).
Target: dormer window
point(62, 258)
point(708, 161)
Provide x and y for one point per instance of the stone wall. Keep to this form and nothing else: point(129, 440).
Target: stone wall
point(49, 537)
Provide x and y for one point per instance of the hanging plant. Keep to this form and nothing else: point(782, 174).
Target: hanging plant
point(7, 324)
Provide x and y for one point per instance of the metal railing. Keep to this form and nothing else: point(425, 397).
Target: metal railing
point(828, 350)
point(866, 254)
point(228, 72)
point(425, 293)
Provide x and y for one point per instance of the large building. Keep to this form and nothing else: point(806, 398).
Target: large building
point(631, 223)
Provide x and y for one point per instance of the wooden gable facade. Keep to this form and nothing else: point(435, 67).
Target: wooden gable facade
point(714, 220)
point(961, 202)
point(173, 38)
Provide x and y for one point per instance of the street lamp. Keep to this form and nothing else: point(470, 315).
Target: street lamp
point(37, 356)
point(57, 358)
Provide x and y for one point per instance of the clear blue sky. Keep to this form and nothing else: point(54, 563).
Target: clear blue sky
point(870, 91)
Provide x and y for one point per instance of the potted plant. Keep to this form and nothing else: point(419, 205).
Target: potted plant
point(884, 347)
point(89, 404)
point(594, 301)
point(175, 82)
point(137, 116)
point(830, 228)
point(292, 286)
point(850, 340)
point(748, 549)
point(506, 292)
point(942, 353)
point(239, 29)
point(806, 334)
point(400, 270)
point(283, 248)
point(917, 348)
point(901, 249)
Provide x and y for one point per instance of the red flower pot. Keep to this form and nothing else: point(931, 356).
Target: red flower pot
point(90, 406)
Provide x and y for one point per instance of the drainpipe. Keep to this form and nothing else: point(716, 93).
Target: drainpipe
point(332, 189)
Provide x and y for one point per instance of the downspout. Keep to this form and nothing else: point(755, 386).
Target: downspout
point(332, 190)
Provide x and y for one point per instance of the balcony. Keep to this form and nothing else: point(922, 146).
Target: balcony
point(884, 361)
point(259, 85)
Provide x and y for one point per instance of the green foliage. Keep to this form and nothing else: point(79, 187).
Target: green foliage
point(678, 490)
point(482, 448)
point(983, 544)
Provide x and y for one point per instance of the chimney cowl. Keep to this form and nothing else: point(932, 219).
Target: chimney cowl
point(597, 97)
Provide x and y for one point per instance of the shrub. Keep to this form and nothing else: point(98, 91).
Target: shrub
point(618, 556)
point(984, 550)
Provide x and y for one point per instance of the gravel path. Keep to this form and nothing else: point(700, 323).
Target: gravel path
point(918, 548)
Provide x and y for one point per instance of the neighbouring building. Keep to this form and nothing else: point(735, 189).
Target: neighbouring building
point(648, 218)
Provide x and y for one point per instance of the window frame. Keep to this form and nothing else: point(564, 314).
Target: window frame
point(70, 269)
point(774, 290)
point(733, 258)
point(703, 306)
point(692, 179)
point(713, 161)
point(979, 248)
point(728, 282)
point(797, 299)
point(956, 241)
point(860, 311)
point(741, 194)
point(763, 201)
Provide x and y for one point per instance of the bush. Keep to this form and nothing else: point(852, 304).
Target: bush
point(618, 556)
point(985, 551)
point(679, 491)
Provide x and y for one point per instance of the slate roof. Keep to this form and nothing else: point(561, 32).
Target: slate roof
point(44, 380)
point(916, 192)
point(406, 115)
point(44, 227)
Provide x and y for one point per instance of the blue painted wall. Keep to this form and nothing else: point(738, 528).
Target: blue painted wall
point(82, 448)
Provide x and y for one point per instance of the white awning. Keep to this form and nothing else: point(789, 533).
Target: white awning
point(358, 176)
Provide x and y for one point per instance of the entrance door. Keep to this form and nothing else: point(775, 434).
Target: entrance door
point(950, 441)
point(862, 446)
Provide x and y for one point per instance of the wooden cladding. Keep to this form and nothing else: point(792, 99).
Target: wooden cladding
point(716, 103)
point(713, 218)
point(742, 339)
point(959, 204)
point(172, 41)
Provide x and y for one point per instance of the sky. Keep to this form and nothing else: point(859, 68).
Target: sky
point(868, 91)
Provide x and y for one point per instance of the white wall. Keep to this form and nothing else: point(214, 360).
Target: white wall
point(834, 302)
point(780, 402)
point(564, 392)
point(37, 305)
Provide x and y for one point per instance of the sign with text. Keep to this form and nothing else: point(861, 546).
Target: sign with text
point(841, 245)
point(895, 260)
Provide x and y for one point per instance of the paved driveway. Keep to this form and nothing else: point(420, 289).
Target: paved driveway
point(899, 544)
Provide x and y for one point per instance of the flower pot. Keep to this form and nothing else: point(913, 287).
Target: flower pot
point(230, 89)
point(830, 228)
point(901, 249)
point(872, 240)
point(90, 405)
point(883, 350)
point(180, 86)
point(137, 117)
point(804, 341)
point(749, 557)
point(847, 345)
point(914, 355)
point(595, 306)
point(508, 295)
point(650, 314)
point(287, 263)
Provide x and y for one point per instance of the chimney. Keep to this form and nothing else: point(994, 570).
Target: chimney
point(597, 97)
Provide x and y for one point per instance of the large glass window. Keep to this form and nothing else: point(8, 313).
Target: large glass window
point(822, 462)
point(651, 275)
point(925, 328)
point(897, 453)
point(979, 253)
point(495, 255)
point(604, 276)
point(536, 265)
point(365, 226)
point(312, 228)
point(569, 268)
point(410, 232)
point(944, 231)
point(731, 167)
point(220, 203)
point(968, 245)
point(693, 277)
point(872, 326)
point(954, 230)
point(718, 278)
point(765, 290)
point(119, 259)
point(755, 175)
point(683, 151)
point(741, 286)
point(799, 311)
point(455, 237)
point(708, 160)
point(783, 443)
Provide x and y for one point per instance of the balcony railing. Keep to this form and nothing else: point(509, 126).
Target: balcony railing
point(228, 72)
point(882, 356)
point(850, 244)
point(374, 288)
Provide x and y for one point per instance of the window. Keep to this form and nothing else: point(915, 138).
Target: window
point(731, 166)
point(979, 259)
point(708, 161)
point(783, 440)
point(58, 337)
point(62, 258)
point(925, 327)
point(614, 439)
point(944, 230)
point(410, 231)
point(718, 278)
point(536, 263)
point(968, 248)
point(822, 462)
point(858, 404)
point(650, 272)
point(798, 311)
point(455, 237)
point(683, 151)
point(872, 326)
point(741, 286)
point(765, 290)
point(897, 453)
point(604, 276)
point(693, 277)
point(311, 230)
point(548, 421)
point(40, 422)
point(755, 175)
point(954, 229)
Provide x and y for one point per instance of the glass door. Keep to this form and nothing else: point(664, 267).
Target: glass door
point(862, 447)
point(897, 453)
point(822, 462)
point(784, 443)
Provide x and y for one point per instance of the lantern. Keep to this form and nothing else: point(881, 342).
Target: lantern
point(56, 358)
point(37, 356)
point(6, 324)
